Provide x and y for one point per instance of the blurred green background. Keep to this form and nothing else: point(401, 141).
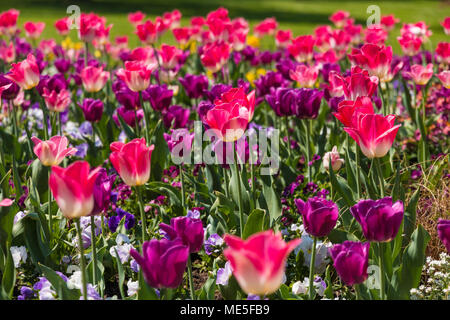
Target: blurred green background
point(300, 16)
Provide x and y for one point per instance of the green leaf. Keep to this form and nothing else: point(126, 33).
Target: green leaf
point(257, 221)
point(160, 155)
point(407, 276)
point(145, 292)
point(208, 290)
point(126, 128)
point(121, 274)
point(9, 277)
point(341, 186)
point(7, 215)
point(329, 290)
point(271, 199)
point(60, 286)
point(410, 216)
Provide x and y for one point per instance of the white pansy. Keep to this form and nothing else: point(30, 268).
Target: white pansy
point(19, 254)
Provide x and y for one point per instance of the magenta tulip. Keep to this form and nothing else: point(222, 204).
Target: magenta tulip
point(319, 215)
point(189, 230)
point(351, 260)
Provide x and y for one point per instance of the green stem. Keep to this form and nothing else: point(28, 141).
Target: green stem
point(308, 151)
point(183, 201)
point(358, 181)
point(94, 251)
point(86, 52)
point(49, 209)
point(82, 262)
point(312, 291)
point(141, 209)
point(191, 281)
point(381, 256)
point(288, 136)
point(238, 175)
point(147, 118)
point(380, 176)
point(382, 99)
point(225, 181)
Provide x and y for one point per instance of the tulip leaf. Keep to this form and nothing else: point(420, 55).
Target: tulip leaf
point(235, 191)
point(410, 216)
point(212, 178)
point(341, 186)
point(208, 289)
point(60, 286)
point(160, 155)
point(7, 215)
point(8, 278)
point(271, 200)
point(351, 176)
point(407, 276)
point(121, 274)
point(126, 128)
point(145, 292)
point(257, 221)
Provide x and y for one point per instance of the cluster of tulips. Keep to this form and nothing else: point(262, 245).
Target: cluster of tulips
point(124, 111)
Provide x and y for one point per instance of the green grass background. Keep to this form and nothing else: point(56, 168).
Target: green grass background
point(300, 16)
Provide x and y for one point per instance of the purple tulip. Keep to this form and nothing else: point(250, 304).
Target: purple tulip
point(443, 228)
point(128, 116)
point(56, 82)
point(194, 85)
point(216, 91)
point(308, 103)
point(318, 214)
point(282, 101)
point(380, 219)
point(327, 68)
point(271, 80)
point(203, 108)
point(176, 117)
point(285, 66)
point(163, 262)
point(102, 191)
point(351, 260)
point(92, 109)
point(63, 65)
point(10, 93)
point(159, 96)
point(181, 136)
point(189, 230)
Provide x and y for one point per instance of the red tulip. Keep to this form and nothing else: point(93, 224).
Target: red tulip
point(443, 53)
point(52, 152)
point(73, 187)
point(376, 59)
point(374, 133)
point(132, 161)
point(347, 109)
point(215, 55)
point(25, 73)
point(267, 26)
point(283, 38)
point(62, 26)
point(302, 48)
point(8, 22)
point(258, 263)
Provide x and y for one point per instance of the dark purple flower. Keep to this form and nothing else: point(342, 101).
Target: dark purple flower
point(63, 65)
point(10, 93)
point(270, 80)
point(102, 191)
point(308, 103)
point(327, 68)
point(443, 228)
point(194, 85)
point(189, 230)
point(113, 223)
point(216, 91)
point(379, 219)
point(25, 293)
point(351, 260)
point(282, 101)
point(319, 216)
point(284, 66)
point(159, 96)
point(92, 109)
point(163, 262)
point(128, 116)
point(176, 117)
point(56, 82)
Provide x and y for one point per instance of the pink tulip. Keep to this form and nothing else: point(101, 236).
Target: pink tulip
point(56, 101)
point(283, 38)
point(215, 55)
point(6, 202)
point(374, 133)
point(333, 157)
point(446, 25)
point(302, 48)
point(443, 53)
point(347, 109)
point(339, 18)
point(90, 23)
point(53, 151)
point(8, 22)
point(7, 52)
point(444, 76)
point(73, 188)
point(304, 75)
point(34, 30)
point(136, 75)
point(94, 79)
point(169, 55)
point(231, 113)
point(376, 59)
point(136, 18)
point(266, 27)
point(132, 161)
point(420, 74)
point(147, 32)
point(258, 263)
point(62, 26)
point(410, 44)
point(25, 73)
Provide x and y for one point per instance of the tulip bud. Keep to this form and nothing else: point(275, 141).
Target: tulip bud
point(319, 215)
point(92, 109)
point(351, 260)
point(334, 157)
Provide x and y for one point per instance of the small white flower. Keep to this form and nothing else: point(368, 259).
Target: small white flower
point(133, 287)
point(18, 254)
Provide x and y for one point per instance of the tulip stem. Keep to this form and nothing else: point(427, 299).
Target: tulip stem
point(191, 281)
point(183, 202)
point(382, 284)
point(308, 151)
point(358, 182)
point(49, 208)
point(312, 291)
point(141, 209)
point(86, 51)
point(288, 136)
point(147, 118)
point(225, 178)
point(380, 175)
point(382, 99)
point(94, 251)
point(82, 262)
point(238, 176)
